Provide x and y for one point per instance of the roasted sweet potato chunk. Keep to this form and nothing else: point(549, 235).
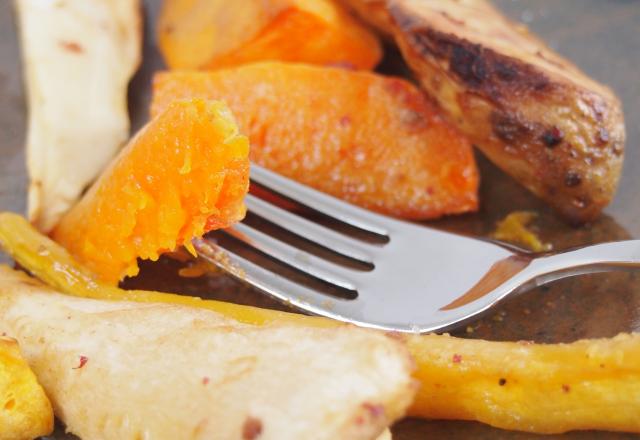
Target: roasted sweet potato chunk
point(207, 34)
point(185, 173)
point(374, 141)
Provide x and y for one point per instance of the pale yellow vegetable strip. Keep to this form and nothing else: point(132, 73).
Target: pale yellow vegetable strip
point(550, 388)
point(51, 263)
point(590, 384)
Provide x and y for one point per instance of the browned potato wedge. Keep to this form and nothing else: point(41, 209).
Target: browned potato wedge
point(532, 112)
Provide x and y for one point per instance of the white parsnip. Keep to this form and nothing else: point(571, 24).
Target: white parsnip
point(78, 58)
point(124, 370)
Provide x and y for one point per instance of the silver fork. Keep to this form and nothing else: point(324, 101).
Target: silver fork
point(423, 280)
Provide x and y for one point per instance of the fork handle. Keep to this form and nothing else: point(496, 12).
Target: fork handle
point(604, 257)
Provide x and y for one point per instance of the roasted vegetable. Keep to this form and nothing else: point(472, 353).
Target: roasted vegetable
point(588, 384)
point(207, 34)
point(532, 112)
point(591, 384)
point(78, 60)
point(185, 173)
point(174, 372)
point(25, 411)
point(372, 140)
point(514, 229)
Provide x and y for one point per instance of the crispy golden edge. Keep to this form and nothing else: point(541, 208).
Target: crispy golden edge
point(25, 410)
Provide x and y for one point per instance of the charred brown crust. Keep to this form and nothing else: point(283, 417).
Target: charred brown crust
point(480, 69)
point(562, 139)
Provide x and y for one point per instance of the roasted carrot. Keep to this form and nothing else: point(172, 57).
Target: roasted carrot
point(209, 34)
point(375, 141)
point(183, 174)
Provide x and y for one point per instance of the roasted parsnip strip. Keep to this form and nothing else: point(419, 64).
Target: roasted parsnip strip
point(543, 388)
point(51, 263)
point(589, 384)
point(78, 59)
point(118, 370)
point(373, 140)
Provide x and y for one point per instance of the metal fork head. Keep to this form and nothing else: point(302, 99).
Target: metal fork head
point(422, 279)
point(415, 275)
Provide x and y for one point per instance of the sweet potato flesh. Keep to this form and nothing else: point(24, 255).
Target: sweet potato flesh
point(209, 34)
point(589, 384)
point(372, 140)
point(185, 173)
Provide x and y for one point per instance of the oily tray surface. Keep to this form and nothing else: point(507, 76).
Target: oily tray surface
point(601, 37)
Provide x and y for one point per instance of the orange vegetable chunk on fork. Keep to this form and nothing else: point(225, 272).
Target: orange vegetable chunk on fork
point(185, 173)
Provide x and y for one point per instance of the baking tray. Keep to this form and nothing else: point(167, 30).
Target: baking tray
point(602, 37)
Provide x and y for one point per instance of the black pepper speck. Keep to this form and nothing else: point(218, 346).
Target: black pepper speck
point(572, 179)
point(553, 137)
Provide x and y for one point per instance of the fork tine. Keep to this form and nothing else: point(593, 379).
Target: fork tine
point(311, 231)
point(294, 257)
point(326, 204)
point(245, 270)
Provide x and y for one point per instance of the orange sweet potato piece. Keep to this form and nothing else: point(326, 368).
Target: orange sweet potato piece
point(183, 174)
point(375, 141)
point(208, 34)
